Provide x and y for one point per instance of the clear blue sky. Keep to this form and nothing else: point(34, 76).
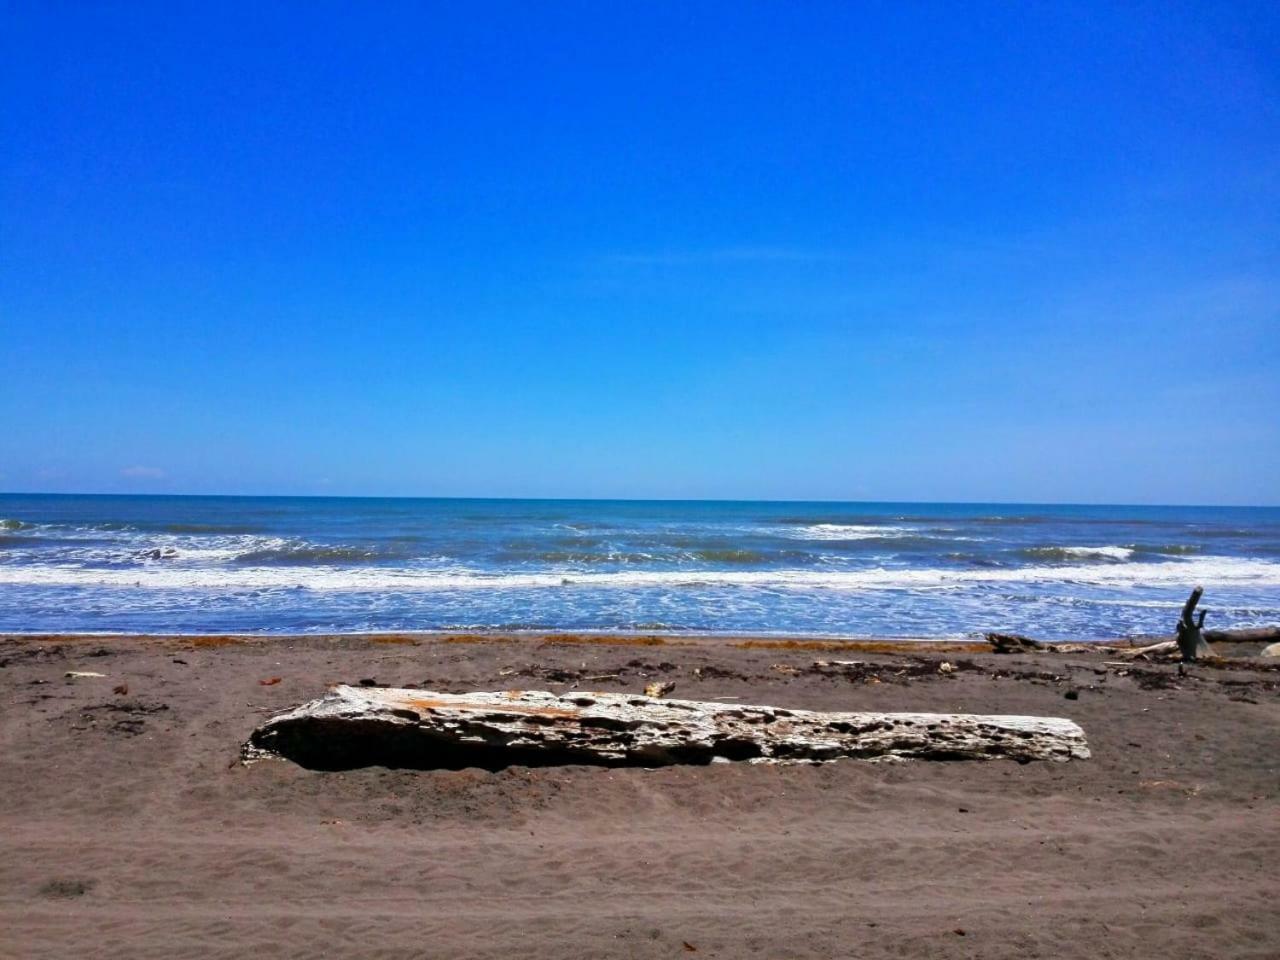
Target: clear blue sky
point(793, 250)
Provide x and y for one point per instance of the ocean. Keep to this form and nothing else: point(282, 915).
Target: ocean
point(299, 565)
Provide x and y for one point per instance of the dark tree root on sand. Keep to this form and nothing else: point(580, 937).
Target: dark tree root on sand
point(1190, 636)
point(353, 727)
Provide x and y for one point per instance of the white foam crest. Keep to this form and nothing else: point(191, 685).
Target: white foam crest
point(1209, 571)
point(157, 549)
point(847, 531)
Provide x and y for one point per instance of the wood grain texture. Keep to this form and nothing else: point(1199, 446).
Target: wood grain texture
point(352, 727)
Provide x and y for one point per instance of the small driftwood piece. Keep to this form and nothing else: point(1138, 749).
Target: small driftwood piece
point(355, 727)
point(1164, 650)
point(1016, 643)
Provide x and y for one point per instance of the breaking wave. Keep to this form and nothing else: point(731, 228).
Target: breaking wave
point(256, 564)
point(1078, 553)
point(306, 554)
point(215, 528)
point(1208, 571)
point(849, 531)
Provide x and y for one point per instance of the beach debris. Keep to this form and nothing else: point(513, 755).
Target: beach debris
point(1164, 650)
point(120, 689)
point(1190, 641)
point(1244, 635)
point(66, 889)
point(352, 727)
point(659, 688)
point(270, 681)
point(1015, 643)
point(689, 947)
point(82, 674)
point(946, 667)
point(1272, 650)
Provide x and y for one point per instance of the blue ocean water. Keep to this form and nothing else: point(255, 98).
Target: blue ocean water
point(193, 564)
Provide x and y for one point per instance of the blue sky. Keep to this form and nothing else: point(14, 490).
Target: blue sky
point(832, 251)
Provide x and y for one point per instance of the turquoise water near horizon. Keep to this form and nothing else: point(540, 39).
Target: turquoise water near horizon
point(310, 564)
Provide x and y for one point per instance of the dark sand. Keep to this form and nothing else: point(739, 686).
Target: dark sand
point(128, 828)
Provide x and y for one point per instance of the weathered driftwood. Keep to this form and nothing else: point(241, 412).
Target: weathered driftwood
point(1243, 635)
point(1170, 649)
point(1190, 640)
point(1016, 643)
point(1159, 650)
point(355, 727)
point(1190, 635)
point(1164, 650)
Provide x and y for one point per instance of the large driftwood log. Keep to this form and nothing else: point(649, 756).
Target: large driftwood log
point(1243, 635)
point(356, 727)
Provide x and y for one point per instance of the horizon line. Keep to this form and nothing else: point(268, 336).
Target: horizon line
point(362, 496)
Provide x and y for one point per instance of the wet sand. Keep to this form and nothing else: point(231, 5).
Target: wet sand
point(128, 828)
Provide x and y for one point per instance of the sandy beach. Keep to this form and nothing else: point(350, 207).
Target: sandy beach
point(130, 829)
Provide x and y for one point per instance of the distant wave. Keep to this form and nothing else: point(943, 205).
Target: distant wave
point(835, 520)
point(659, 554)
point(1168, 549)
point(1077, 553)
point(1109, 553)
point(81, 528)
point(254, 551)
point(577, 557)
point(217, 528)
point(1208, 571)
point(726, 555)
point(306, 554)
point(849, 531)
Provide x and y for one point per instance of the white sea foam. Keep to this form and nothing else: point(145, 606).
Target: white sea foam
point(847, 531)
point(1209, 571)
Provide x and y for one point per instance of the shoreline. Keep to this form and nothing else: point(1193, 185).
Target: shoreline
point(535, 639)
point(480, 635)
